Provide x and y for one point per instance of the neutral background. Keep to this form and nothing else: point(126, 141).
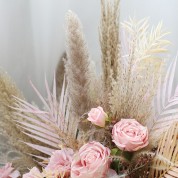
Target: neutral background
point(32, 33)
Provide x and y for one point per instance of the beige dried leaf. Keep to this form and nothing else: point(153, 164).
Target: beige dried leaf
point(165, 163)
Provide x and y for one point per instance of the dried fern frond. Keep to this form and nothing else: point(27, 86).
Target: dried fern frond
point(78, 69)
point(60, 70)
point(137, 82)
point(166, 106)
point(49, 126)
point(109, 42)
point(11, 148)
point(165, 163)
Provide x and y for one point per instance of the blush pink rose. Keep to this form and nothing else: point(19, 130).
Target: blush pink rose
point(34, 173)
point(8, 172)
point(60, 162)
point(92, 161)
point(129, 135)
point(97, 116)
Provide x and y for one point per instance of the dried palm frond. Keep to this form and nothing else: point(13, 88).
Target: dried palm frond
point(49, 126)
point(166, 105)
point(137, 82)
point(78, 69)
point(109, 42)
point(11, 149)
point(60, 70)
point(165, 163)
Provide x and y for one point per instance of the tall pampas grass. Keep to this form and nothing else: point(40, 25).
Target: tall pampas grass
point(60, 70)
point(78, 70)
point(110, 43)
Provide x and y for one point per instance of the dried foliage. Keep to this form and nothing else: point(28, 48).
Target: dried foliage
point(132, 73)
point(49, 126)
point(166, 160)
point(11, 147)
point(139, 168)
point(166, 105)
point(134, 89)
point(109, 42)
point(60, 70)
point(78, 69)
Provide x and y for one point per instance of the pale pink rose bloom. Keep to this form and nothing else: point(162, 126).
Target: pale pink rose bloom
point(8, 172)
point(34, 173)
point(97, 116)
point(92, 161)
point(129, 135)
point(60, 161)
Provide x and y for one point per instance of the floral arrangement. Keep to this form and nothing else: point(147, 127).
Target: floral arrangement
point(123, 123)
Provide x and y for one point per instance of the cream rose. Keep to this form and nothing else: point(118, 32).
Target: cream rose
point(129, 135)
point(97, 116)
point(92, 161)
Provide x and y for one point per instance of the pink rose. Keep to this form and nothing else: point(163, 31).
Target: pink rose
point(92, 161)
point(60, 162)
point(97, 116)
point(129, 135)
point(34, 173)
point(8, 172)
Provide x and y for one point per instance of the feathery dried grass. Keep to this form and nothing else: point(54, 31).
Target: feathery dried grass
point(165, 162)
point(11, 148)
point(60, 70)
point(137, 81)
point(109, 42)
point(80, 78)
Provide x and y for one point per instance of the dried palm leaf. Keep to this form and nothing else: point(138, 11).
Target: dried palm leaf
point(166, 105)
point(109, 41)
point(137, 82)
point(166, 160)
point(49, 126)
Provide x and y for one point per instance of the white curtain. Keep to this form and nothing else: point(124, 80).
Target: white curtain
point(32, 33)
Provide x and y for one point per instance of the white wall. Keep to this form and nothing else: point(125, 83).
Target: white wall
point(32, 33)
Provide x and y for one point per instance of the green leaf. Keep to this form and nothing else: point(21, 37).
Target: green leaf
point(115, 151)
point(127, 155)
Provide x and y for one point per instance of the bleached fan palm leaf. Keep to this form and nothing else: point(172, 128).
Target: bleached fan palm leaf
point(137, 81)
point(78, 70)
point(165, 163)
point(50, 125)
point(109, 41)
point(166, 105)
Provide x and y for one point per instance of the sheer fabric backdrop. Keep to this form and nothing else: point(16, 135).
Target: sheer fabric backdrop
point(32, 33)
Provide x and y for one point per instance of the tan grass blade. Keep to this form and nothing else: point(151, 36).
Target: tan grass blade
point(165, 163)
